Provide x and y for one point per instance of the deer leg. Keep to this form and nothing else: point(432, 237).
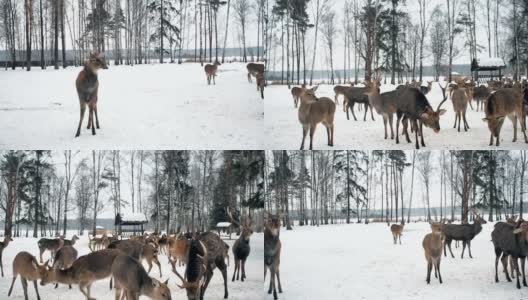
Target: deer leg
point(450, 250)
point(117, 293)
point(1, 264)
point(36, 289)
point(235, 271)
point(491, 140)
point(523, 261)
point(150, 266)
point(463, 248)
point(366, 112)
point(514, 120)
point(96, 117)
point(272, 278)
point(456, 119)
point(421, 133)
point(399, 238)
point(516, 263)
point(328, 134)
point(465, 122)
point(243, 269)
point(332, 130)
point(391, 119)
point(272, 285)
point(367, 106)
point(224, 275)
point(156, 261)
point(42, 252)
point(504, 260)
point(398, 119)
point(416, 135)
point(497, 255)
point(12, 284)
point(24, 287)
point(385, 126)
point(312, 132)
point(352, 110)
point(305, 131)
point(510, 261)
point(438, 268)
point(522, 121)
point(405, 123)
point(429, 269)
point(277, 273)
point(469, 249)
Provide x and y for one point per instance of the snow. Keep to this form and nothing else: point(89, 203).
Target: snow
point(223, 224)
point(490, 62)
point(158, 107)
point(250, 289)
point(283, 130)
point(133, 217)
point(360, 261)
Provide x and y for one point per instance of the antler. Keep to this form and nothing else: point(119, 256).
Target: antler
point(444, 94)
point(232, 219)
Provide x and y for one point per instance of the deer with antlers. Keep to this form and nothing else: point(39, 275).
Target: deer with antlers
point(194, 279)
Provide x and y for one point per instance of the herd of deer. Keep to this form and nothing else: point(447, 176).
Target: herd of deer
point(121, 260)
point(499, 100)
point(87, 85)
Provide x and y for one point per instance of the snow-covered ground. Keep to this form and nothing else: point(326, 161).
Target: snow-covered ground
point(249, 289)
point(283, 130)
point(166, 106)
point(360, 261)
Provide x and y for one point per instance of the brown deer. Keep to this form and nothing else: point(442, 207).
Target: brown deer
point(241, 248)
point(87, 89)
point(71, 242)
point(98, 243)
point(272, 250)
point(460, 101)
point(340, 90)
point(150, 254)
point(52, 245)
point(84, 272)
point(396, 230)
point(384, 104)
point(178, 248)
point(64, 259)
point(210, 71)
point(313, 111)
point(296, 94)
point(432, 244)
point(479, 94)
point(254, 69)
point(28, 268)
point(195, 278)
point(505, 103)
point(215, 254)
point(131, 278)
point(3, 245)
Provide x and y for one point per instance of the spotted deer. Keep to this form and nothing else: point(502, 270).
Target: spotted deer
point(87, 85)
point(210, 71)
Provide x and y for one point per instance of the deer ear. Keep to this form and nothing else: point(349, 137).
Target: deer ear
point(166, 281)
point(425, 115)
point(315, 88)
point(442, 112)
point(155, 283)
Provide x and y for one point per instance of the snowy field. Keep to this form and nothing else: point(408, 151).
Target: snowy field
point(283, 130)
point(158, 107)
point(359, 261)
point(250, 289)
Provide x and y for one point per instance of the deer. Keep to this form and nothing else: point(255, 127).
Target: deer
point(426, 89)
point(98, 243)
point(52, 245)
point(71, 242)
point(64, 259)
point(396, 230)
point(132, 280)
point(3, 245)
point(340, 90)
point(215, 253)
point(313, 111)
point(272, 250)
point(28, 268)
point(384, 104)
point(84, 271)
point(479, 94)
point(87, 85)
point(254, 69)
point(296, 94)
point(505, 103)
point(358, 95)
point(414, 106)
point(150, 254)
point(241, 248)
point(462, 232)
point(210, 71)
point(261, 83)
point(178, 247)
point(432, 244)
point(510, 242)
point(195, 277)
point(460, 101)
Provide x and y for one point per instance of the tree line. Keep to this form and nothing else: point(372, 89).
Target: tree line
point(327, 187)
point(393, 37)
point(134, 32)
point(176, 190)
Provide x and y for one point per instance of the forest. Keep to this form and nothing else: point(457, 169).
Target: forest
point(41, 191)
point(329, 187)
point(60, 33)
point(397, 38)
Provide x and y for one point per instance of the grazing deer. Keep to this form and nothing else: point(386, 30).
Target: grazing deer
point(87, 88)
point(215, 253)
point(131, 278)
point(313, 111)
point(505, 103)
point(261, 83)
point(52, 245)
point(64, 259)
point(340, 90)
point(254, 69)
point(460, 101)
point(195, 279)
point(84, 271)
point(241, 248)
point(28, 268)
point(432, 244)
point(396, 230)
point(210, 71)
point(414, 106)
point(3, 245)
point(296, 94)
point(272, 250)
